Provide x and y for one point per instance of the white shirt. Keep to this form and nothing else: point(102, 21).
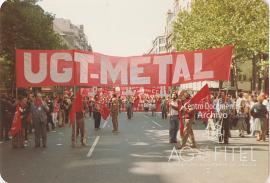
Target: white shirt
point(173, 111)
point(238, 104)
point(266, 103)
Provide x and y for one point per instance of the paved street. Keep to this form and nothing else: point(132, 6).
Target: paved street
point(139, 153)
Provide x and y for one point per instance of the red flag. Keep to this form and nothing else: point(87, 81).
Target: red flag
point(158, 104)
point(203, 99)
point(16, 123)
point(202, 95)
point(136, 102)
point(77, 106)
point(105, 111)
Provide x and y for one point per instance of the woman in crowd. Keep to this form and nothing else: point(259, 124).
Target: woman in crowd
point(259, 113)
point(241, 124)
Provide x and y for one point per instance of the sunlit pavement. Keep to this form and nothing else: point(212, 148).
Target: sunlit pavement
point(139, 153)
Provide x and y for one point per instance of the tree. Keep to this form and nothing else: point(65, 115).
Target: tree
point(25, 25)
point(215, 23)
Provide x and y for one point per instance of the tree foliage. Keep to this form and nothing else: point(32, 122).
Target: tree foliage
point(215, 23)
point(25, 25)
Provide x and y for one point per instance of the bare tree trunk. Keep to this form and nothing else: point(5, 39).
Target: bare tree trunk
point(254, 73)
point(235, 76)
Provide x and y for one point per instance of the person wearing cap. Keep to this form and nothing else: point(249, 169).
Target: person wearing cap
point(174, 120)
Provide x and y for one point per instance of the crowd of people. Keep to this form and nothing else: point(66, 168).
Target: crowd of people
point(248, 113)
point(39, 114)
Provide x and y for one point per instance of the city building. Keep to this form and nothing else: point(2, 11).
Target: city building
point(159, 45)
point(73, 36)
point(178, 5)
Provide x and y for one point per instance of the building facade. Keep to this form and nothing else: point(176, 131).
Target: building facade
point(73, 36)
point(178, 5)
point(159, 45)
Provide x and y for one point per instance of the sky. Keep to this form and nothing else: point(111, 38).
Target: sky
point(115, 27)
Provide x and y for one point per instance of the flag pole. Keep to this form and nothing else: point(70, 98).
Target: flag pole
point(16, 94)
point(75, 125)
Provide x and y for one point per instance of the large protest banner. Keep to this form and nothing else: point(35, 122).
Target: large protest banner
point(79, 68)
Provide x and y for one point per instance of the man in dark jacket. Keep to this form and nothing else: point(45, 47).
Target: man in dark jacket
point(39, 111)
point(7, 112)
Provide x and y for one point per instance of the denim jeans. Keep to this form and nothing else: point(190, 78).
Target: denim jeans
point(174, 126)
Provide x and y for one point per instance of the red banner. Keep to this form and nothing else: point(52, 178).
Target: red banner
point(16, 123)
point(72, 67)
point(202, 103)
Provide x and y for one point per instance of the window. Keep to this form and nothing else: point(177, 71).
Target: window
point(162, 48)
point(162, 40)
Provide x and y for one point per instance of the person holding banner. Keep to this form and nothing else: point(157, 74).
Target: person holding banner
point(96, 112)
point(174, 120)
point(76, 119)
point(39, 111)
point(114, 113)
point(18, 130)
point(188, 117)
point(80, 128)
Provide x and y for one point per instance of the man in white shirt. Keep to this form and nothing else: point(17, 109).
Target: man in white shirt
point(265, 101)
point(239, 101)
point(174, 118)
